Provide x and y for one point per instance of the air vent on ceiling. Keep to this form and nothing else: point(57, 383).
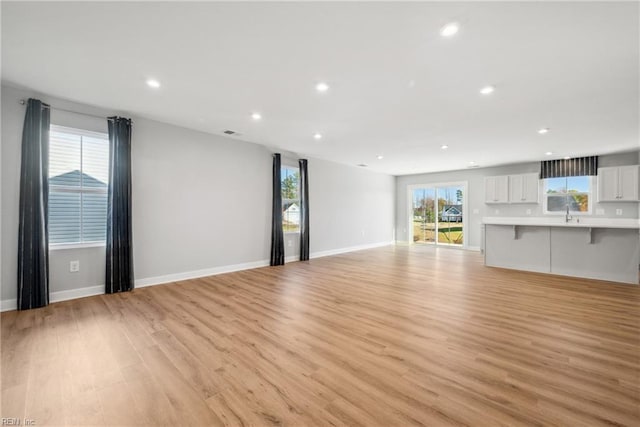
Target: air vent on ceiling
point(362, 165)
point(230, 132)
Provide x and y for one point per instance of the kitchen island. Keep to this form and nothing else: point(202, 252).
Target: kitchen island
point(594, 248)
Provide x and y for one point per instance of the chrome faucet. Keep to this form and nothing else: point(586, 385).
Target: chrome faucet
point(567, 217)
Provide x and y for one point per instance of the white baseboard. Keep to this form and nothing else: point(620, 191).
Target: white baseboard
point(158, 280)
point(12, 304)
point(7, 305)
point(76, 293)
point(330, 252)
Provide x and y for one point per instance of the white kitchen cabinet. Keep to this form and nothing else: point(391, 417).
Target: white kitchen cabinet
point(496, 189)
point(523, 188)
point(618, 184)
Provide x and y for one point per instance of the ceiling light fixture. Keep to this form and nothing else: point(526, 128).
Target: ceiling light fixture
point(317, 135)
point(322, 87)
point(543, 131)
point(472, 163)
point(153, 83)
point(380, 157)
point(444, 147)
point(449, 29)
point(487, 90)
point(256, 116)
point(567, 157)
point(548, 153)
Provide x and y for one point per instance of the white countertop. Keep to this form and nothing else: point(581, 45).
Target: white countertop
point(577, 221)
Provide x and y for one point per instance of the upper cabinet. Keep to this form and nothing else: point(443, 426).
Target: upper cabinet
point(618, 184)
point(511, 188)
point(523, 188)
point(496, 189)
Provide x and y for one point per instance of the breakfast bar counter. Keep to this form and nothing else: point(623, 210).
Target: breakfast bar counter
point(595, 248)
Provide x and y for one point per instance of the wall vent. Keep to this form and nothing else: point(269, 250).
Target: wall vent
point(230, 132)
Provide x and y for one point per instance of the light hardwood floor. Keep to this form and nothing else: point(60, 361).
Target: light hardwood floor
point(391, 336)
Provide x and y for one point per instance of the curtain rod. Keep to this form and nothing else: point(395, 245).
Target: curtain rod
point(23, 102)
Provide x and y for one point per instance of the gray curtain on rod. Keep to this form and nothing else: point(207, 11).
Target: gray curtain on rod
point(33, 228)
point(119, 274)
point(277, 235)
point(304, 210)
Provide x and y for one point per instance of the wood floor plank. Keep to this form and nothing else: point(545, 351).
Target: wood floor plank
point(394, 336)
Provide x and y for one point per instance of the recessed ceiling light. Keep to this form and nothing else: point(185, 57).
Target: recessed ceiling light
point(548, 153)
point(449, 29)
point(256, 116)
point(472, 163)
point(567, 157)
point(543, 131)
point(317, 136)
point(444, 147)
point(487, 90)
point(153, 83)
point(380, 157)
point(322, 87)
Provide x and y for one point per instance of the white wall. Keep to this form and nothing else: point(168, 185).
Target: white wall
point(475, 196)
point(201, 202)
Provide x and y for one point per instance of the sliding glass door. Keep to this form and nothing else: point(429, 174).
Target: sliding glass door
point(437, 214)
point(424, 215)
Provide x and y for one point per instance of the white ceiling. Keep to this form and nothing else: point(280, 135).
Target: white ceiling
point(398, 88)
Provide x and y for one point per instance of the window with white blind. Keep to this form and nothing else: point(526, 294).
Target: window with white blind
point(78, 180)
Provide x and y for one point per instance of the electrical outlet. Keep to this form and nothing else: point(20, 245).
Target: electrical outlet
point(497, 211)
point(528, 211)
point(289, 243)
point(476, 211)
point(618, 211)
point(599, 211)
point(362, 233)
point(74, 266)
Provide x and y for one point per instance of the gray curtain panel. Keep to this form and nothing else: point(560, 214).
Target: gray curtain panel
point(277, 235)
point(33, 228)
point(119, 275)
point(304, 210)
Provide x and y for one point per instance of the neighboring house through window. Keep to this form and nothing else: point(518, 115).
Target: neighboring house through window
point(290, 199)
point(78, 180)
point(573, 191)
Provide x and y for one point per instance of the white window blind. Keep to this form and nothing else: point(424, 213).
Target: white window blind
point(78, 180)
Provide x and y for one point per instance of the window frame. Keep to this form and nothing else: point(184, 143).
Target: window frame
point(297, 200)
point(78, 190)
point(590, 194)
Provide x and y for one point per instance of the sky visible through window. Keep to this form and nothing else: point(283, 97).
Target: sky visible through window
point(572, 184)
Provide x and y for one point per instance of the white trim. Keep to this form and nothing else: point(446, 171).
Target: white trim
point(7, 305)
point(79, 132)
point(62, 246)
point(330, 252)
point(76, 293)
point(292, 258)
point(176, 277)
point(12, 304)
